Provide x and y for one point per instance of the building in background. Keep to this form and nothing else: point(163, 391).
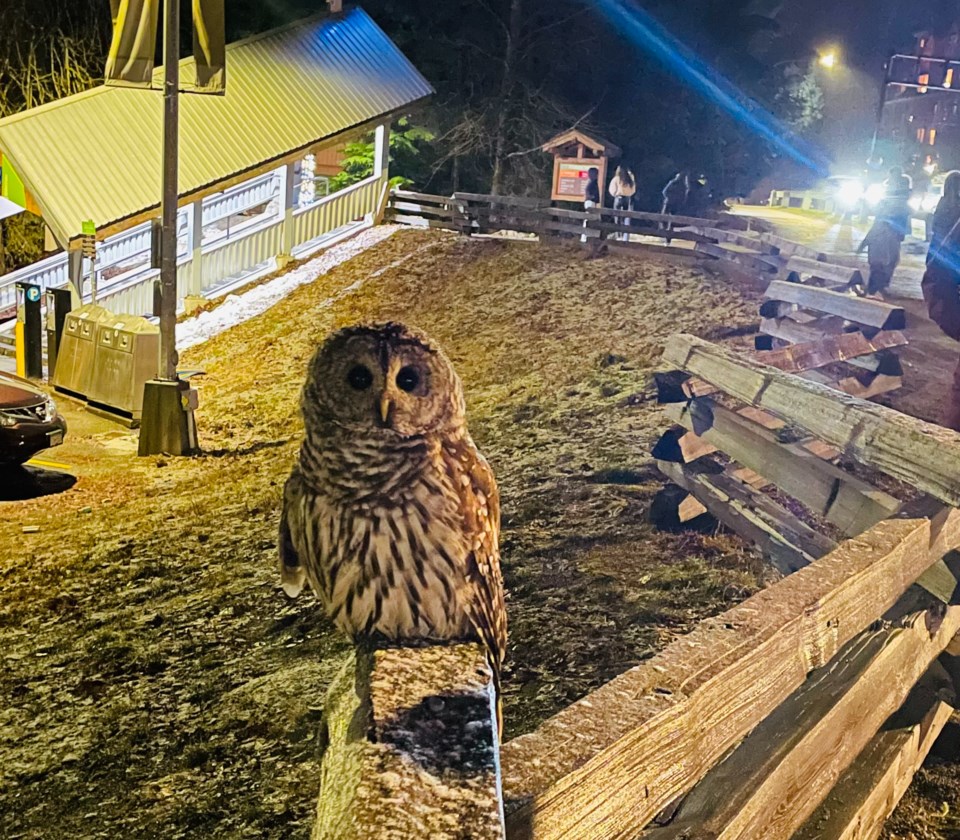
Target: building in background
point(921, 115)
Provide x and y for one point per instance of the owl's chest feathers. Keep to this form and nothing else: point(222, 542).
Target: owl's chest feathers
point(387, 539)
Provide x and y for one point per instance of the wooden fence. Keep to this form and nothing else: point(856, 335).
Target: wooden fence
point(801, 713)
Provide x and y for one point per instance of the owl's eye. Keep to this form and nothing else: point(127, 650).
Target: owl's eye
point(408, 378)
point(359, 378)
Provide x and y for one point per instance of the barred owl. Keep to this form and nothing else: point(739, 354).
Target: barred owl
point(391, 513)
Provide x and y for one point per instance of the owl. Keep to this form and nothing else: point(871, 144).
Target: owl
point(391, 513)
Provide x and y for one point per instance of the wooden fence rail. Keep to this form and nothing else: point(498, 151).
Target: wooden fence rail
point(803, 710)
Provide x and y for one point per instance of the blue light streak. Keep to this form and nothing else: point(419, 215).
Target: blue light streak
point(644, 31)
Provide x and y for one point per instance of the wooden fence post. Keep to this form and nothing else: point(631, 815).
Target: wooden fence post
point(411, 748)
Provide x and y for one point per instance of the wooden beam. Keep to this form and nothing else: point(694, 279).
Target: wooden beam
point(922, 454)
point(837, 496)
point(786, 767)
point(873, 313)
point(411, 747)
point(785, 541)
point(863, 388)
point(744, 240)
point(833, 348)
point(788, 247)
point(870, 789)
point(841, 275)
point(609, 763)
point(750, 261)
point(690, 508)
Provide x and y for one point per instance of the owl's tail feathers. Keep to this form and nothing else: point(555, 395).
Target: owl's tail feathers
point(292, 574)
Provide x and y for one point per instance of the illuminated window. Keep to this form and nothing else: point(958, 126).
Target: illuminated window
point(921, 135)
point(933, 136)
point(948, 78)
point(923, 43)
point(923, 81)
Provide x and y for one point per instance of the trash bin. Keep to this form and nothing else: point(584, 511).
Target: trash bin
point(127, 356)
point(77, 347)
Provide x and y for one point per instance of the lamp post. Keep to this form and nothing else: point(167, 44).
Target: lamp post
point(168, 424)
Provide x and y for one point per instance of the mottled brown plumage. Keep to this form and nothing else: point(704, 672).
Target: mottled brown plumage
point(391, 513)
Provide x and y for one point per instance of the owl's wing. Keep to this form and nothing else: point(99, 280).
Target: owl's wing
point(292, 573)
point(480, 507)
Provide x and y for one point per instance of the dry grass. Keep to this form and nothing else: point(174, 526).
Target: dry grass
point(156, 681)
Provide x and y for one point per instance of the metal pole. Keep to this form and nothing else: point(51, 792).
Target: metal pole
point(168, 207)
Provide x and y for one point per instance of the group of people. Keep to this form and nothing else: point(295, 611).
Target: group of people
point(681, 195)
point(941, 279)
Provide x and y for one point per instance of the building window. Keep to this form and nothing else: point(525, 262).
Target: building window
point(921, 135)
point(923, 81)
point(933, 136)
point(948, 78)
point(923, 43)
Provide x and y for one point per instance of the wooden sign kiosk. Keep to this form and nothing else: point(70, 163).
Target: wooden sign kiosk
point(573, 154)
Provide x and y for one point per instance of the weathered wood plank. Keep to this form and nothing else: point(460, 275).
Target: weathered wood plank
point(605, 766)
point(834, 348)
point(751, 261)
point(409, 195)
point(744, 240)
point(870, 789)
point(660, 218)
point(873, 313)
point(841, 275)
point(785, 541)
point(788, 247)
point(426, 210)
point(863, 388)
point(690, 508)
point(421, 222)
point(846, 501)
point(786, 767)
point(411, 747)
point(505, 200)
point(922, 454)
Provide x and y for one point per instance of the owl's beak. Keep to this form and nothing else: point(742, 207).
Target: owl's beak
point(385, 406)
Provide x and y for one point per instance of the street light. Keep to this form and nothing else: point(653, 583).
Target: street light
point(828, 59)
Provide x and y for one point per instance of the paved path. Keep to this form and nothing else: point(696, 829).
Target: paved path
point(841, 239)
point(930, 357)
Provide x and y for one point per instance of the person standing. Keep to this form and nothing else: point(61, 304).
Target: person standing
point(946, 214)
point(591, 194)
point(941, 293)
point(623, 186)
point(895, 207)
point(675, 195)
point(882, 244)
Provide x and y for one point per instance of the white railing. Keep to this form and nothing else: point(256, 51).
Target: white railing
point(48, 273)
point(334, 211)
point(243, 249)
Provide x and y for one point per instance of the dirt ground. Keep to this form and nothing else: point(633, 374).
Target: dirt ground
point(156, 681)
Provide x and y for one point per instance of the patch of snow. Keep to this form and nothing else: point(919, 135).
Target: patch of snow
point(235, 309)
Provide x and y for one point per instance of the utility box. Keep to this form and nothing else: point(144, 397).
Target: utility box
point(59, 303)
point(127, 357)
point(78, 344)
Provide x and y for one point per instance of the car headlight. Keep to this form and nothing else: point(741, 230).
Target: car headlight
point(875, 194)
point(49, 410)
point(7, 419)
point(849, 193)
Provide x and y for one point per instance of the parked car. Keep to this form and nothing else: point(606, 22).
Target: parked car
point(29, 421)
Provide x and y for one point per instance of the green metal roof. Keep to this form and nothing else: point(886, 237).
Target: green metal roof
point(97, 155)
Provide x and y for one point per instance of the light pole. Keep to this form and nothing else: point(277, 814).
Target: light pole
point(167, 424)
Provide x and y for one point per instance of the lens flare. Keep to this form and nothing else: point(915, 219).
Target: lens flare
point(649, 35)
